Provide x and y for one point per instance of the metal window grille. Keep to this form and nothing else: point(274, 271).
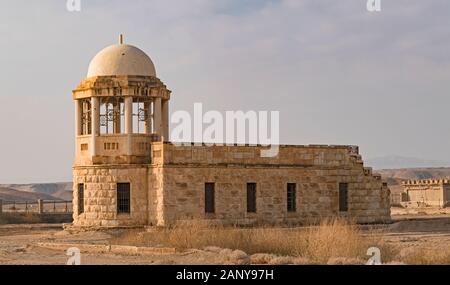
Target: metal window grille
point(86, 126)
point(123, 198)
point(251, 197)
point(291, 197)
point(80, 198)
point(141, 114)
point(343, 197)
point(111, 115)
point(209, 198)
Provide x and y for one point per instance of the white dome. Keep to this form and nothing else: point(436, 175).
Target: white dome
point(121, 59)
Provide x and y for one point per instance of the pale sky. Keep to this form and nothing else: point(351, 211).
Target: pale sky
point(337, 73)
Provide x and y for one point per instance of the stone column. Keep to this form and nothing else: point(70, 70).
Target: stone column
point(165, 120)
point(128, 115)
point(148, 121)
point(157, 117)
point(78, 110)
point(128, 121)
point(95, 121)
point(117, 118)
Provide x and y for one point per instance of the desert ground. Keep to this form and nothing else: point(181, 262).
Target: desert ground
point(410, 239)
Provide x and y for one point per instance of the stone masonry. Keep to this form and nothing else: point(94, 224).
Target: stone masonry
point(171, 188)
point(426, 192)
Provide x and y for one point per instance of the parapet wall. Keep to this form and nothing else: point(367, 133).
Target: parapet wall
point(308, 155)
point(427, 192)
point(426, 182)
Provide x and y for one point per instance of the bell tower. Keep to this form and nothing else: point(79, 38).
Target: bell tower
point(121, 111)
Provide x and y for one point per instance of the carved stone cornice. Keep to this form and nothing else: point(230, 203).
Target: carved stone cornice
point(136, 86)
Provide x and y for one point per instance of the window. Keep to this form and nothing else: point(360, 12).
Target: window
point(343, 197)
point(141, 116)
point(123, 198)
point(112, 118)
point(291, 197)
point(80, 198)
point(251, 197)
point(86, 126)
point(209, 198)
point(84, 147)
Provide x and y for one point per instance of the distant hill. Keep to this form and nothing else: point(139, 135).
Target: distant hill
point(34, 191)
point(8, 194)
point(64, 195)
point(415, 173)
point(398, 162)
point(47, 188)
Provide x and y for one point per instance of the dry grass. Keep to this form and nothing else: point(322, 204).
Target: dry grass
point(332, 238)
point(19, 218)
point(424, 256)
point(34, 218)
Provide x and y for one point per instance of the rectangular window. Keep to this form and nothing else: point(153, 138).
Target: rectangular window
point(123, 198)
point(251, 197)
point(209, 198)
point(291, 197)
point(343, 197)
point(80, 198)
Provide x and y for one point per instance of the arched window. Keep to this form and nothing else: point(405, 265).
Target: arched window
point(86, 126)
point(141, 116)
point(111, 115)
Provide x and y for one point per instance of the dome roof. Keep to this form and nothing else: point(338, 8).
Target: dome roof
point(121, 59)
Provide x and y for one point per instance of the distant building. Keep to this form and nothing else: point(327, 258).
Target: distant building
point(428, 192)
point(127, 172)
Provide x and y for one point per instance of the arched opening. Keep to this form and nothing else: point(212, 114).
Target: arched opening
point(86, 122)
point(111, 115)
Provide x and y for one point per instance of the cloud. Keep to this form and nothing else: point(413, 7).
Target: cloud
point(337, 73)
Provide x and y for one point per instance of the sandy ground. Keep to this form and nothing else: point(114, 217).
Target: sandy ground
point(19, 243)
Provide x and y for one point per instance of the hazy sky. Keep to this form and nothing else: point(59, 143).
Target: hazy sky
point(337, 73)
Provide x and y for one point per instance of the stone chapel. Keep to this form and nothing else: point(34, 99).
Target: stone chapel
point(127, 173)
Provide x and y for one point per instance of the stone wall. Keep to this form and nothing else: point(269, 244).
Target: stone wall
point(446, 195)
point(298, 155)
point(427, 192)
point(317, 171)
point(172, 186)
point(100, 195)
point(113, 149)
